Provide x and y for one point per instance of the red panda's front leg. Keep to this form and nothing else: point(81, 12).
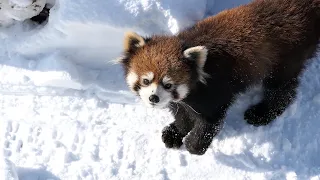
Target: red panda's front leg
point(200, 137)
point(205, 129)
point(173, 134)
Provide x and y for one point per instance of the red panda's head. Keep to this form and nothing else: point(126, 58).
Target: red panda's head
point(161, 69)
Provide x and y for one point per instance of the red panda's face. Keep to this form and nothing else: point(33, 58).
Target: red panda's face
point(156, 91)
point(159, 70)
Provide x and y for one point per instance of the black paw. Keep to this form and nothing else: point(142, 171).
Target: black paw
point(259, 115)
point(171, 137)
point(195, 146)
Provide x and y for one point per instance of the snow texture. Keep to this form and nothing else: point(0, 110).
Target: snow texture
point(66, 112)
point(19, 10)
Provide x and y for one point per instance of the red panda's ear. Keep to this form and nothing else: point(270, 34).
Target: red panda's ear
point(133, 41)
point(198, 54)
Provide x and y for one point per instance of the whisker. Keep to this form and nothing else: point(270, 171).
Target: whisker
point(177, 109)
point(185, 104)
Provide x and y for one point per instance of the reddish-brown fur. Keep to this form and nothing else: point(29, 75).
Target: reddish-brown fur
point(265, 40)
point(161, 61)
point(259, 34)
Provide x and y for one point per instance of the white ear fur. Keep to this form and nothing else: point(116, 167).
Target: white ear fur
point(132, 41)
point(198, 54)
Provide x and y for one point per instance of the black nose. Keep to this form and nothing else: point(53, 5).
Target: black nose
point(154, 99)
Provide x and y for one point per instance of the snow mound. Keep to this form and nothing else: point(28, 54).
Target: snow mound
point(19, 10)
point(99, 27)
point(59, 71)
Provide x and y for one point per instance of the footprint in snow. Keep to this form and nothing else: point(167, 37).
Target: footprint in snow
point(11, 143)
point(183, 160)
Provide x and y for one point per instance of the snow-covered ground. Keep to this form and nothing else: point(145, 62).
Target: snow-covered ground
point(66, 112)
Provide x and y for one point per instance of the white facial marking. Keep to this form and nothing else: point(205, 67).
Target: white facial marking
point(148, 76)
point(201, 60)
point(153, 89)
point(183, 91)
point(167, 80)
point(132, 78)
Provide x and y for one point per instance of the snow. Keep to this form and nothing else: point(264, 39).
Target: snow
point(66, 112)
point(21, 3)
point(20, 10)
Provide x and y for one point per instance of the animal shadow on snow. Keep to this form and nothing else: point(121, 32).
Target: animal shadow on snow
point(289, 143)
point(35, 174)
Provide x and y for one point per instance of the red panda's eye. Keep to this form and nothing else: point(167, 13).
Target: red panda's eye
point(167, 86)
point(146, 82)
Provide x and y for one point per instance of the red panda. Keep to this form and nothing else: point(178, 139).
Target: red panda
point(198, 72)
